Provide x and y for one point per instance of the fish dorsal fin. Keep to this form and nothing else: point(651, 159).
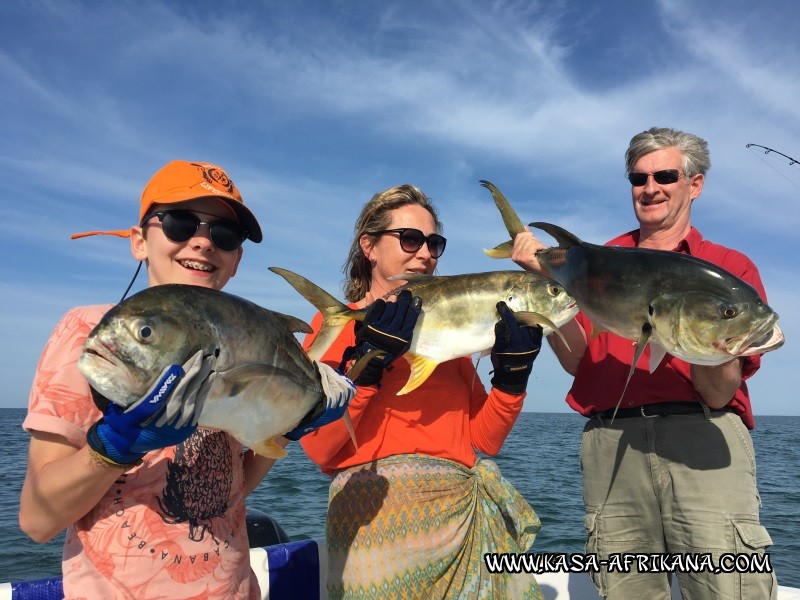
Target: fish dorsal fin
point(510, 220)
point(657, 353)
point(269, 449)
point(421, 369)
point(647, 329)
point(564, 238)
point(501, 250)
point(294, 324)
point(531, 318)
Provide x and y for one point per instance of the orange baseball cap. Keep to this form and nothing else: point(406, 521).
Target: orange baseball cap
point(180, 181)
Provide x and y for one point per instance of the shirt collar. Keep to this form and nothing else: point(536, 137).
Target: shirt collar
point(688, 245)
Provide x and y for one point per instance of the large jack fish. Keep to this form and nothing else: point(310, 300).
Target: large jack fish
point(458, 313)
point(689, 307)
point(265, 384)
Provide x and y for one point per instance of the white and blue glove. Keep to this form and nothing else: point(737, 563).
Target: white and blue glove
point(338, 390)
point(165, 416)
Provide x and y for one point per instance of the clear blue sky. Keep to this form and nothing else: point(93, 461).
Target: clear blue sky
point(314, 106)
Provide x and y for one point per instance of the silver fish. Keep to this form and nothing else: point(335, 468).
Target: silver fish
point(265, 384)
point(689, 307)
point(458, 313)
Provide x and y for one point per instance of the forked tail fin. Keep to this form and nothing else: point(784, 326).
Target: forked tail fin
point(510, 218)
point(335, 314)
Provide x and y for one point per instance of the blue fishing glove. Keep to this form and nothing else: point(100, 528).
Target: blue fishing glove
point(388, 327)
point(165, 416)
point(338, 391)
point(515, 348)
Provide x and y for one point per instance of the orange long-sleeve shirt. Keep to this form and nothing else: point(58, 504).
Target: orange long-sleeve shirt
point(448, 416)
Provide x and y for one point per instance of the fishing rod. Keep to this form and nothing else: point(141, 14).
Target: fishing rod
point(792, 161)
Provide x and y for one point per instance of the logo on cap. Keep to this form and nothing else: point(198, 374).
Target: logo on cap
point(217, 177)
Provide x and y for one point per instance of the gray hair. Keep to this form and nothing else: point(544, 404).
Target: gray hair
point(693, 148)
point(375, 217)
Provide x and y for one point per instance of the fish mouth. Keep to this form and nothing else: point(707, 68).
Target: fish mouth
point(95, 347)
point(765, 337)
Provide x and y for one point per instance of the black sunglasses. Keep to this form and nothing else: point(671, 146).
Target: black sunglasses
point(411, 240)
point(664, 177)
point(180, 225)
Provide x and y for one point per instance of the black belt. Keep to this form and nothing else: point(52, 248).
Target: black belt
point(660, 409)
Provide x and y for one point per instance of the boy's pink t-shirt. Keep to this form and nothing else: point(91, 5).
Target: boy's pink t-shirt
point(173, 527)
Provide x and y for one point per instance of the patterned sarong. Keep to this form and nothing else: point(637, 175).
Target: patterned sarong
point(413, 526)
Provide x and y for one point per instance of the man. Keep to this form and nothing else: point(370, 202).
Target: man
point(675, 472)
point(153, 507)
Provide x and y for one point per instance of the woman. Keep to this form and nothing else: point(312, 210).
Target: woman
point(412, 510)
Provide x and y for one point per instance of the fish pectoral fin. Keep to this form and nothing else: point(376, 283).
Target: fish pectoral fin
point(657, 353)
point(355, 370)
point(421, 369)
point(348, 423)
point(647, 329)
point(238, 378)
point(596, 331)
point(501, 250)
point(269, 449)
point(531, 319)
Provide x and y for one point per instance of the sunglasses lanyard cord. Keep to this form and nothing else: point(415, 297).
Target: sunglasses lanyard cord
point(130, 285)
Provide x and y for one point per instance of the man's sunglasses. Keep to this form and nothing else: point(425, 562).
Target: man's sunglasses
point(664, 177)
point(180, 225)
point(411, 240)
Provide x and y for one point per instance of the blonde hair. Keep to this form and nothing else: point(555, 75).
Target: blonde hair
point(375, 216)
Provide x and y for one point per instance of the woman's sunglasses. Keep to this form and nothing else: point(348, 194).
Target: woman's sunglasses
point(664, 177)
point(180, 225)
point(411, 240)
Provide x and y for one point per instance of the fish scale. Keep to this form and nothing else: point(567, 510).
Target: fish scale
point(458, 313)
point(265, 384)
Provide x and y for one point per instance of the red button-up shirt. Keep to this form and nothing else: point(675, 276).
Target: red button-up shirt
point(604, 367)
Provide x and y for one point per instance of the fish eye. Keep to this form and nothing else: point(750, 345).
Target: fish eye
point(553, 290)
point(728, 312)
point(143, 333)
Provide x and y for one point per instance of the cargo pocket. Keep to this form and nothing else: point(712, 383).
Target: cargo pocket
point(591, 523)
point(753, 539)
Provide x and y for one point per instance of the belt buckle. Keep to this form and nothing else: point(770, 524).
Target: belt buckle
point(641, 409)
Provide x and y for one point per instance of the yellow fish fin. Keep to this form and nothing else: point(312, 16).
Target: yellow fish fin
point(421, 369)
point(269, 449)
point(500, 251)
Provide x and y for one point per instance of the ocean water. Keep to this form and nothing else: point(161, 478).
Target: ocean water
point(540, 457)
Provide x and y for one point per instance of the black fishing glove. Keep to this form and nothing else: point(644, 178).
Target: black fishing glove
point(388, 327)
point(515, 349)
